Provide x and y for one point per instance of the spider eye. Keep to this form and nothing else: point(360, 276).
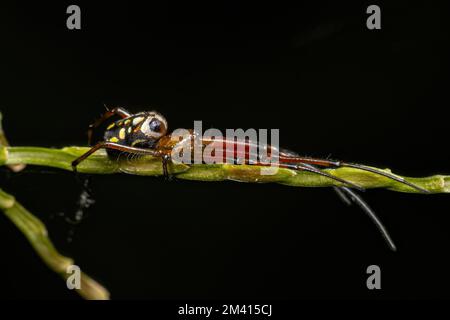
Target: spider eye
point(154, 125)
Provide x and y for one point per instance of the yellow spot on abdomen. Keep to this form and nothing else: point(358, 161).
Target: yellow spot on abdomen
point(122, 134)
point(111, 126)
point(114, 139)
point(127, 122)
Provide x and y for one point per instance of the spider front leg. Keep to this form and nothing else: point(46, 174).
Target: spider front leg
point(121, 112)
point(115, 146)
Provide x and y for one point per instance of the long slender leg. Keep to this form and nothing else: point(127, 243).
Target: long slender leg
point(329, 163)
point(286, 156)
point(291, 160)
point(296, 166)
point(346, 193)
point(115, 146)
point(342, 196)
point(317, 171)
point(349, 197)
point(121, 112)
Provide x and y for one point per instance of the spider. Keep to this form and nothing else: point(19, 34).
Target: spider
point(146, 133)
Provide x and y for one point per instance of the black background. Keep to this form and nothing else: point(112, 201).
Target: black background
point(313, 70)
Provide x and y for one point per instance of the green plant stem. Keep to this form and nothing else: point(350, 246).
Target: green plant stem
point(99, 163)
point(36, 233)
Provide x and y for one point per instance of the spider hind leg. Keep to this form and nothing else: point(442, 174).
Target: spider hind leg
point(350, 197)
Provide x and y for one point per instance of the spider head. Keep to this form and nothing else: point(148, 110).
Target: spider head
point(154, 126)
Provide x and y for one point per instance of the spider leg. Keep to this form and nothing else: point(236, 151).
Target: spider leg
point(300, 166)
point(121, 112)
point(342, 196)
point(386, 174)
point(115, 146)
point(295, 165)
point(165, 160)
point(329, 163)
point(350, 196)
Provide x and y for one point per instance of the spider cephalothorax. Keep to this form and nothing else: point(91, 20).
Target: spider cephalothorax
point(143, 130)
